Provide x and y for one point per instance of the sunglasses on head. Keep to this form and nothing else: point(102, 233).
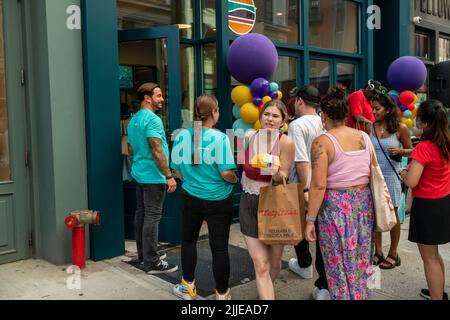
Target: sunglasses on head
point(377, 87)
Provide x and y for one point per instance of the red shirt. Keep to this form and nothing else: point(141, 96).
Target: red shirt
point(359, 106)
point(435, 180)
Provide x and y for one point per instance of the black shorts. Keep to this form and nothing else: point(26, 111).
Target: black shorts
point(248, 214)
point(430, 221)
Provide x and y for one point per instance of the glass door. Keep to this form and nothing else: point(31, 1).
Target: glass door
point(152, 55)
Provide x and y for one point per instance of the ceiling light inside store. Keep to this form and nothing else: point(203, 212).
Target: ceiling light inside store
point(279, 13)
point(184, 26)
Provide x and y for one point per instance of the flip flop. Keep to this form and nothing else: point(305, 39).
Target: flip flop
point(390, 265)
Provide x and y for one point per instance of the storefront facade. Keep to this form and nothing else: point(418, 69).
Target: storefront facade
point(81, 82)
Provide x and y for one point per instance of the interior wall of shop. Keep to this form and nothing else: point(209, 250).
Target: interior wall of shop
point(56, 120)
point(393, 39)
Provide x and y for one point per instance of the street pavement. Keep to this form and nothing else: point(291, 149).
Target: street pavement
point(115, 280)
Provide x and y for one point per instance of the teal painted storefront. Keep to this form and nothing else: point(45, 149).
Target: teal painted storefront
point(102, 100)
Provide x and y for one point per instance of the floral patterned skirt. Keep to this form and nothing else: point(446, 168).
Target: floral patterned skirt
point(346, 228)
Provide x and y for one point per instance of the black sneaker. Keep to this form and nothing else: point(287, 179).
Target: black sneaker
point(425, 293)
point(162, 267)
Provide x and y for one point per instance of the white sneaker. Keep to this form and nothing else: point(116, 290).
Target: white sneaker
point(321, 294)
point(305, 273)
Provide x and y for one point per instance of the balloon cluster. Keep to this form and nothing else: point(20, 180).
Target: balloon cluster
point(253, 73)
point(406, 75)
point(408, 103)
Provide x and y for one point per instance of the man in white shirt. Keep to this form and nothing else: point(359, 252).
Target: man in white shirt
point(304, 131)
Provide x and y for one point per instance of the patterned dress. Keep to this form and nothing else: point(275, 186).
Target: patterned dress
point(346, 227)
point(393, 183)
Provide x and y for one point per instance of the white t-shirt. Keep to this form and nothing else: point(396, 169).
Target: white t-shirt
point(304, 131)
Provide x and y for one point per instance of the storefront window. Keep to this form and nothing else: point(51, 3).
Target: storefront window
point(209, 18)
point(210, 69)
point(276, 19)
point(5, 170)
point(423, 45)
point(444, 49)
point(319, 74)
point(187, 85)
point(333, 24)
point(286, 76)
point(138, 14)
point(346, 76)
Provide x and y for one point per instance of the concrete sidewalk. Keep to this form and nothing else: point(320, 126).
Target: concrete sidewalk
point(116, 280)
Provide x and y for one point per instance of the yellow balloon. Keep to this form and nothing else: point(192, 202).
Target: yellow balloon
point(241, 95)
point(280, 95)
point(257, 125)
point(249, 113)
point(414, 113)
point(285, 128)
point(416, 99)
point(266, 99)
point(409, 122)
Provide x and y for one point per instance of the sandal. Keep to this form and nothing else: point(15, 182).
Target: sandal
point(380, 258)
point(390, 265)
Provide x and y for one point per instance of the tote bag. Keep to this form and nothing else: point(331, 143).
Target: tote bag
point(281, 214)
point(385, 218)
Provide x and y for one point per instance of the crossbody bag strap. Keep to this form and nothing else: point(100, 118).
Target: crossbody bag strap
point(387, 158)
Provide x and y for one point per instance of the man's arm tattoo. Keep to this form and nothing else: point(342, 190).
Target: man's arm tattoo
point(158, 156)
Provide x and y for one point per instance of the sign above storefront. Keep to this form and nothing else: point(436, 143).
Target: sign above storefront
point(437, 8)
point(241, 16)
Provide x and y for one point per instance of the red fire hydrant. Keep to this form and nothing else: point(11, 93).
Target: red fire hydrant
point(76, 221)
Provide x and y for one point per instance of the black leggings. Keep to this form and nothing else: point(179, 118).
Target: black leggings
point(218, 216)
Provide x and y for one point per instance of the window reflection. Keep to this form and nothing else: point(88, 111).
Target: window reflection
point(5, 170)
point(209, 18)
point(333, 24)
point(286, 77)
point(138, 14)
point(278, 20)
point(422, 42)
point(444, 49)
point(187, 86)
point(210, 69)
point(346, 76)
point(320, 75)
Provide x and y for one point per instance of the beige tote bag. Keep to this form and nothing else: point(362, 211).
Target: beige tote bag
point(385, 218)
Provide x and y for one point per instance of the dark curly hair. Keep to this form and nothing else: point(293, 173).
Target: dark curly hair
point(392, 119)
point(334, 104)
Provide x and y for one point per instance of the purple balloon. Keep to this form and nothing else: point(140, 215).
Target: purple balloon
point(396, 99)
point(260, 87)
point(252, 56)
point(257, 101)
point(407, 73)
point(403, 108)
point(274, 95)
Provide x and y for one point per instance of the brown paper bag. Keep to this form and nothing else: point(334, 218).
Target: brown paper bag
point(281, 214)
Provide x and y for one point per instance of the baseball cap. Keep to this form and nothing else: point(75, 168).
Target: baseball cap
point(309, 93)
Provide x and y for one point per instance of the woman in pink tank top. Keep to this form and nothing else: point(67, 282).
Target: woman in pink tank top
point(341, 201)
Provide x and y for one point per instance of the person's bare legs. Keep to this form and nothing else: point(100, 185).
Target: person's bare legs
point(395, 239)
point(275, 254)
point(260, 255)
point(433, 266)
point(378, 246)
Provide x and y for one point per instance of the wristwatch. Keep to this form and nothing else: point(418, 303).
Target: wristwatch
point(169, 177)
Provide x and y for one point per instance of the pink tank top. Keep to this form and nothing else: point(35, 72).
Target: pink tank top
point(349, 169)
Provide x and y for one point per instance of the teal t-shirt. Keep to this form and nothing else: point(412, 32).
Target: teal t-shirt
point(204, 180)
point(146, 124)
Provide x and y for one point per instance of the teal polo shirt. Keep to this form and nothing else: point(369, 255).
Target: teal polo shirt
point(146, 124)
point(204, 180)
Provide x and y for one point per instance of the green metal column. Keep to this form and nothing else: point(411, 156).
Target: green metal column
point(101, 60)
